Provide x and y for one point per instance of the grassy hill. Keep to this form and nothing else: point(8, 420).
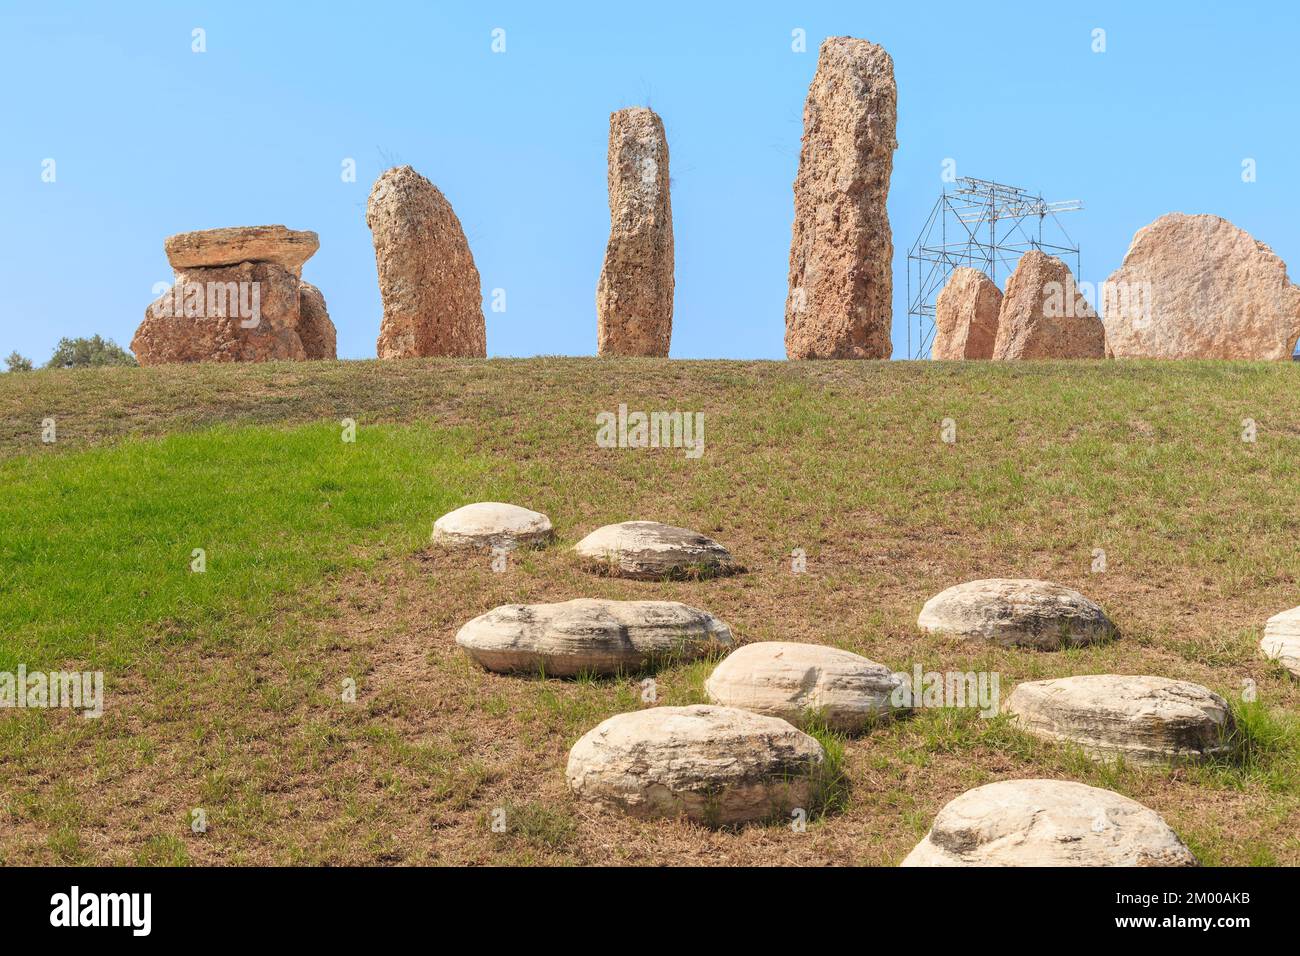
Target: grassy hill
point(225, 688)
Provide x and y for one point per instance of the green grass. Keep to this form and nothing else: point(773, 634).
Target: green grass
point(96, 558)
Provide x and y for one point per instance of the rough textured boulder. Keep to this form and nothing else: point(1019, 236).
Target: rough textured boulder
point(715, 765)
point(315, 330)
point(1048, 823)
point(652, 551)
point(492, 524)
point(223, 308)
point(966, 316)
point(799, 682)
point(1199, 287)
point(840, 303)
point(207, 248)
point(1017, 612)
point(1282, 640)
point(433, 304)
point(1044, 316)
point(590, 636)
point(634, 298)
point(1145, 720)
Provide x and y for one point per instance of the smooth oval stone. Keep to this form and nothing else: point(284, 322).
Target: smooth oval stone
point(804, 682)
point(1019, 612)
point(491, 524)
point(714, 765)
point(652, 551)
point(1146, 720)
point(1048, 823)
point(1281, 640)
point(592, 636)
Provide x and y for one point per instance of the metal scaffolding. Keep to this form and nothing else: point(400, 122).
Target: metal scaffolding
point(983, 225)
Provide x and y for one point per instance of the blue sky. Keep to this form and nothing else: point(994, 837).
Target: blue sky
point(150, 138)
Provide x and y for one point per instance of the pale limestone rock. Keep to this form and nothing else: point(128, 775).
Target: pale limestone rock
point(1281, 640)
point(1016, 612)
point(433, 305)
point(1044, 316)
point(714, 765)
point(634, 298)
point(803, 682)
point(1144, 720)
point(591, 636)
point(966, 317)
point(229, 246)
point(492, 524)
point(840, 302)
point(652, 551)
point(1199, 287)
point(1048, 823)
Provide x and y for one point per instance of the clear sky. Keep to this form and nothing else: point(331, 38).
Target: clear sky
point(150, 138)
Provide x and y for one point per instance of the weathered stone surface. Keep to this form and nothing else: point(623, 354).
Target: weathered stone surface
point(1199, 287)
point(798, 682)
point(1281, 640)
point(1017, 612)
point(1048, 823)
point(652, 551)
point(428, 282)
point(966, 316)
point(1145, 720)
point(591, 636)
point(714, 765)
point(207, 248)
point(840, 303)
point(492, 524)
point(634, 298)
point(315, 329)
point(242, 313)
point(1044, 316)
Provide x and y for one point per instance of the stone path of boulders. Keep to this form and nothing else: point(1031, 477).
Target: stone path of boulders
point(746, 757)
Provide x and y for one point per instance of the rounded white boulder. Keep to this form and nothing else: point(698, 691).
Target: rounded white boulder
point(652, 551)
point(492, 524)
point(1019, 612)
point(1281, 640)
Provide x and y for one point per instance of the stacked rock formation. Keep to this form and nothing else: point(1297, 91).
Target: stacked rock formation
point(634, 298)
point(841, 252)
point(238, 296)
point(1199, 287)
point(966, 316)
point(433, 305)
point(1044, 316)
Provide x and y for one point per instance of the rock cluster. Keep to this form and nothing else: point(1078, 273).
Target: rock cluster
point(634, 298)
point(802, 682)
point(714, 765)
point(1016, 612)
point(238, 296)
point(966, 316)
point(433, 305)
point(841, 253)
point(1199, 287)
point(1044, 316)
point(590, 636)
point(652, 551)
point(1145, 720)
point(1048, 823)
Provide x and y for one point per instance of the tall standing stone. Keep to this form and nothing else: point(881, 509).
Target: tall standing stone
point(1199, 287)
point(1044, 316)
point(433, 305)
point(966, 316)
point(841, 253)
point(634, 297)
